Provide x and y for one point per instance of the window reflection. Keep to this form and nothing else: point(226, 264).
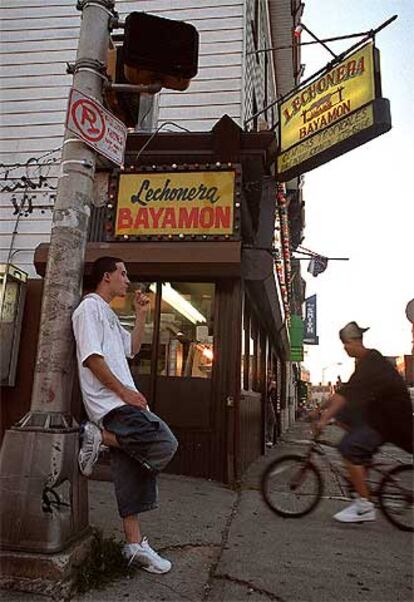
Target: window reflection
point(185, 343)
point(186, 330)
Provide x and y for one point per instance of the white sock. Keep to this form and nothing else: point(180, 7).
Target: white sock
point(364, 501)
point(133, 547)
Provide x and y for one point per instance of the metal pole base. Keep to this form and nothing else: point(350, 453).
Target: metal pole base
point(53, 575)
point(43, 497)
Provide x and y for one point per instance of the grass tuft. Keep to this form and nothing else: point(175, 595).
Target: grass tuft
point(104, 564)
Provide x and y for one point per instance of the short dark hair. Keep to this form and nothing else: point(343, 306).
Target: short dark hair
point(101, 266)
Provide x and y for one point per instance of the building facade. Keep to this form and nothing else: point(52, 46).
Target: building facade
point(205, 373)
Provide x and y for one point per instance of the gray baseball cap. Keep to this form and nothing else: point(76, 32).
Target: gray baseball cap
point(351, 331)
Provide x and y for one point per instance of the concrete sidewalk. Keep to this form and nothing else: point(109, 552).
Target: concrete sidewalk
point(227, 545)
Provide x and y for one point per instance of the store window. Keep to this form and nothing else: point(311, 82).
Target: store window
point(183, 343)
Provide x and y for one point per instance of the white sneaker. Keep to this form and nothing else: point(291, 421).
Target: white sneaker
point(361, 510)
point(146, 558)
point(89, 451)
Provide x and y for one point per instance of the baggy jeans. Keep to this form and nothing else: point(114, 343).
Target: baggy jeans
point(146, 447)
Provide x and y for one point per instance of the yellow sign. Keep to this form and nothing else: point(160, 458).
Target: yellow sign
point(342, 90)
point(197, 202)
point(356, 122)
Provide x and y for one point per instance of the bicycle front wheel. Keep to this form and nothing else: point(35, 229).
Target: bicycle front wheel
point(395, 497)
point(292, 486)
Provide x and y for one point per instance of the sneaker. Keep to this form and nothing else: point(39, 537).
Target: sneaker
point(89, 450)
point(146, 558)
point(360, 511)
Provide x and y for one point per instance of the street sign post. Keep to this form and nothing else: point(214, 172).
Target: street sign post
point(96, 126)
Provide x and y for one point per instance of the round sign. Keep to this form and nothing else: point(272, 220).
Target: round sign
point(88, 119)
point(409, 311)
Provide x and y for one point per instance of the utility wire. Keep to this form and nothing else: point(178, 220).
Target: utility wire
point(12, 166)
point(159, 128)
point(370, 35)
point(288, 46)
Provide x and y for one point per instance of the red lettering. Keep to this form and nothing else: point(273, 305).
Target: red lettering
point(124, 219)
point(141, 220)
point(351, 68)
point(155, 215)
point(169, 218)
point(223, 217)
point(206, 217)
point(188, 219)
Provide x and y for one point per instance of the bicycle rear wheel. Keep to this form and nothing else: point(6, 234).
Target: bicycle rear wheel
point(292, 486)
point(395, 497)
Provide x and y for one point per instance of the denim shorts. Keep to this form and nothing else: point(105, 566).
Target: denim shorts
point(359, 444)
point(146, 447)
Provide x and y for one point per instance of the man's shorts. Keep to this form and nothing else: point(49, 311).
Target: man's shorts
point(360, 444)
point(146, 447)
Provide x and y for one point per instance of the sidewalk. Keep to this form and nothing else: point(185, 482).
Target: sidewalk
point(226, 545)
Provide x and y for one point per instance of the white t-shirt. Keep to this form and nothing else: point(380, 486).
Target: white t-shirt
point(98, 331)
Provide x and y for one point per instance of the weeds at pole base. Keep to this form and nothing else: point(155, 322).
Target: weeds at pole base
point(104, 565)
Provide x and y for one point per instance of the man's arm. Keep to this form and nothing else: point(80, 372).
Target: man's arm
point(141, 303)
point(100, 369)
point(331, 408)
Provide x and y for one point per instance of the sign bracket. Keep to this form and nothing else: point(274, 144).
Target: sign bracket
point(368, 35)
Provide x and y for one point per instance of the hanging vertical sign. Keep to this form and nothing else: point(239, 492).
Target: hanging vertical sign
point(310, 336)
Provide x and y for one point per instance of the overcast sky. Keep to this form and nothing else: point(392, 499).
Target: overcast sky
point(361, 205)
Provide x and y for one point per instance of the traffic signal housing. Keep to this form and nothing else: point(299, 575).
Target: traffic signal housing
point(123, 104)
point(156, 49)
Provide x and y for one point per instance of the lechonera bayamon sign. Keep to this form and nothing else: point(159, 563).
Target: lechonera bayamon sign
point(333, 114)
point(183, 202)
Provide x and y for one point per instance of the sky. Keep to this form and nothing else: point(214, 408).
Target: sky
point(361, 205)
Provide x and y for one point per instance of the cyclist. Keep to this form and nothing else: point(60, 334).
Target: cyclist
point(374, 407)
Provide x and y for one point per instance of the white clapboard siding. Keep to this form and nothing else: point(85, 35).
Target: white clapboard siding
point(40, 36)
point(27, 225)
point(256, 94)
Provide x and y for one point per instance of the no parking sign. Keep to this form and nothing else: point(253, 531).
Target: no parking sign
point(96, 126)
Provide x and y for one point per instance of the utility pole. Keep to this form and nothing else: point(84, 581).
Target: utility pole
point(44, 505)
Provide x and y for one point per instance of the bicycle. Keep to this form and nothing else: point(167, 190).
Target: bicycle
point(293, 485)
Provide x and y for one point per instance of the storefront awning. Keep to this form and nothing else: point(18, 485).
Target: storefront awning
point(156, 261)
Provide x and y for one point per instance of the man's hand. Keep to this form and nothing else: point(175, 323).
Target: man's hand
point(141, 304)
point(133, 398)
point(317, 427)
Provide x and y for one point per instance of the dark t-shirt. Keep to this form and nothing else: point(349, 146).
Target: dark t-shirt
point(377, 394)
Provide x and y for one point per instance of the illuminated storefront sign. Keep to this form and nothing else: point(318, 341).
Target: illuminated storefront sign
point(335, 113)
point(169, 203)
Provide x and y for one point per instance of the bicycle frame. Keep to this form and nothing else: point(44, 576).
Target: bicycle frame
point(318, 447)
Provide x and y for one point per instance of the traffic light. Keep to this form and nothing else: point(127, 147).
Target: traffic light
point(123, 104)
point(158, 49)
